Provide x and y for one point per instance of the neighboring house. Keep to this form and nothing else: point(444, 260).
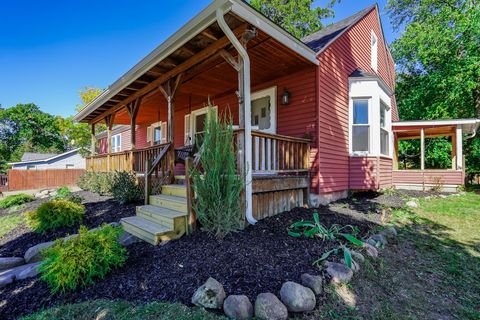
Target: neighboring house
point(316, 115)
point(41, 161)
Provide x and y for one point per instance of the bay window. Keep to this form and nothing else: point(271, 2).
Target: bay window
point(384, 136)
point(360, 126)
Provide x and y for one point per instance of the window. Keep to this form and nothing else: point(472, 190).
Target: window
point(116, 143)
point(31, 167)
point(384, 137)
point(195, 125)
point(69, 166)
point(157, 133)
point(373, 51)
point(263, 114)
point(360, 126)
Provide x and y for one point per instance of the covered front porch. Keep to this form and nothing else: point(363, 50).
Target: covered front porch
point(223, 58)
point(421, 178)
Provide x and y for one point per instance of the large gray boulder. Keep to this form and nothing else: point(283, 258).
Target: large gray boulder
point(412, 204)
point(390, 232)
point(297, 298)
point(269, 307)
point(34, 254)
point(238, 307)
point(313, 282)
point(29, 270)
point(10, 262)
point(339, 273)
point(6, 279)
point(357, 256)
point(380, 238)
point(210, 295)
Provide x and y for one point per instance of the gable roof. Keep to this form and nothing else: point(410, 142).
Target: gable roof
point(29, 157)
point(35, 156)
point(321, 39)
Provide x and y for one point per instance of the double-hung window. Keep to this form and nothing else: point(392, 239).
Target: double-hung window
point(116, 143)
point(384, 137)
point(360, 126)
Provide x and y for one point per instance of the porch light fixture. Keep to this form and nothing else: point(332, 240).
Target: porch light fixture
point(285, 97)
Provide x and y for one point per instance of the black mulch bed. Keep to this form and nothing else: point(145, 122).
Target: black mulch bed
point(258, 259)
point(98, 210)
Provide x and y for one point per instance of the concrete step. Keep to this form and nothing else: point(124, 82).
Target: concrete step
point(166, 217)
point(177, 190)
point(145, 229)
point(169, 202)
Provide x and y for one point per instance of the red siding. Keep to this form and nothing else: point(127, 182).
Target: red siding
point(337, 62)
point(370, 173)
point(449, 177)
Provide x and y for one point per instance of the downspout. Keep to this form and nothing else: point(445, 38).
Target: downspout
point(247, 111)
point(475, 128)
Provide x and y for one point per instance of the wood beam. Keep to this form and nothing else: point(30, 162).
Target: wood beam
point(422, 149)
point(208, 34)
point(93, 142)
point(168, 90)
point(184, 66)
point(234, 62)
point(132, 109)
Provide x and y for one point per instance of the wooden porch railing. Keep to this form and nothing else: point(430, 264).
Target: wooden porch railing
point(162, 167)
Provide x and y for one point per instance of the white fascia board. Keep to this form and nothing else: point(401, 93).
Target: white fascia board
point(45, 160)
point(250, 15)
point(179, 38)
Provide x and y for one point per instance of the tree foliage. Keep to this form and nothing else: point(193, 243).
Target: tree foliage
point(87, 95)
point(438, 62)
point(296, 16)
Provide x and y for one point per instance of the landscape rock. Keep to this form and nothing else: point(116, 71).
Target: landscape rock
point(6, 279)
point(355, 266)
point(34, 253)
point(371, 242)
point(357, 256)
point(29, 270)
point(10, 262)
point(411, 204)
point(313, 282)
point(339, 273)
point(127, 239)
point(371, 250)
point(380, 238)
point(297, 298)
point(269, 307)
point(390, 232)
point(210, 295)
point(238, 307)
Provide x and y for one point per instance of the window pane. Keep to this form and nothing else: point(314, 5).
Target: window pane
point(158, 134)
point(383, 111)
point(200, 122)
point(360, 138)
point(360, 111)
point(261, 113)
point(384, 142)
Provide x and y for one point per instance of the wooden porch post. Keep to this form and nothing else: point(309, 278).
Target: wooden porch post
point(93, 142)
point(395, 152)
point(422, 149)
point(454, 150)
point(132, 109)
point(109, 122)
point(459, 147)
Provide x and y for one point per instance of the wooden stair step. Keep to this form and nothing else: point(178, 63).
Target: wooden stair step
point(164, 216)
point(169, 202)
point(145, 229)
point(178, 190)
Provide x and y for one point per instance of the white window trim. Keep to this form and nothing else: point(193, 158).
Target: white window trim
point(119, 147)
point(272, 93)
point(388, 127)
point(350, 128)
point(151, 132)
point(193, 115)
point(374, 51)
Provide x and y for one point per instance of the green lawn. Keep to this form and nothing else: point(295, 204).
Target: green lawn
point(431, 272)
point(9, 222)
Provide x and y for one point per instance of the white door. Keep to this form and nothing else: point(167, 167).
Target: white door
point(264, 119)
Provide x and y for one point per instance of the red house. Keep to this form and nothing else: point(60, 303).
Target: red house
point(314, 118)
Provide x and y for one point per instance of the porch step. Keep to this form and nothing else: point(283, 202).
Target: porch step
point(144, 229)
point(177, 190)
point(163, 216)
point(169, 202)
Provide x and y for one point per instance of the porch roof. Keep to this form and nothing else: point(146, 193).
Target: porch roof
point(196, 48)
point(432, 128)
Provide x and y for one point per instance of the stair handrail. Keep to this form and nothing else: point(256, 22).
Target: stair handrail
point(150, 167)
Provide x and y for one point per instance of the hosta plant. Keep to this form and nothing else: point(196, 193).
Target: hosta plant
point(342, 235)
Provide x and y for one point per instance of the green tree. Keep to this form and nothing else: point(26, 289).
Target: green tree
point(296, 16)
point(87, 95)
point(438, 63)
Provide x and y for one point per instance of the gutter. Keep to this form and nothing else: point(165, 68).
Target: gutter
point(247, 111)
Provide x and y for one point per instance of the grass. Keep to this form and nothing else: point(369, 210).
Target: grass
point(9, 222)
point(121, 310)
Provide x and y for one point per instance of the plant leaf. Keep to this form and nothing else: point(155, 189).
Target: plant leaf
point(294, 234)
point(352, 239)
point(347, 255)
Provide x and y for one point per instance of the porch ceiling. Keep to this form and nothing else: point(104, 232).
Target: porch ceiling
point(414, 133)
point(209, 76)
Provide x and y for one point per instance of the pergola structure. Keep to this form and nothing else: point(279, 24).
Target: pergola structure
point(456, 129)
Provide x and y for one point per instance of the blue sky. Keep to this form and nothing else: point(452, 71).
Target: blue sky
point(51, 49)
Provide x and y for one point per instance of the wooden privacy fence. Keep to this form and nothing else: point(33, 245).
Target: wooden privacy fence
point(40, 179)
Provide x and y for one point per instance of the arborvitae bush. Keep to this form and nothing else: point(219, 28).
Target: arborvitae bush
point(15, 200)
point(217, 185)
point(125, 188)
point(78, 261)
point(98, 182)
point(56, 214)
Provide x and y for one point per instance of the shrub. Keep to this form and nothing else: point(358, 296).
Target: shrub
point(218, 187)
point(15, 200)
point(125, 188)
point(75, 198)
point(56, 214)
point(80, 260)
point(98, 182)
point(63, 193)
point(84, 182)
